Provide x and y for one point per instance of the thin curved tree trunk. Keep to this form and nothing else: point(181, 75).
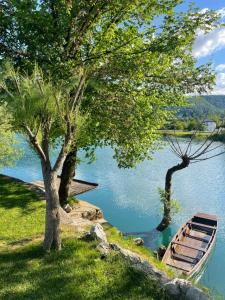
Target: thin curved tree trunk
point(168, 191)
point(67, 174)
point(52, 237)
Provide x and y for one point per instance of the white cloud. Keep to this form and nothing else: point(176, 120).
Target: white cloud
point(211, 42)
point(207, 44)
point(220, 68)
point(220, 84)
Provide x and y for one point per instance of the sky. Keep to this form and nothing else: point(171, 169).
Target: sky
point(211, 47)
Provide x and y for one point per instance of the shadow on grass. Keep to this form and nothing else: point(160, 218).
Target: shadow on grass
point(14, 194)
point(74, 273)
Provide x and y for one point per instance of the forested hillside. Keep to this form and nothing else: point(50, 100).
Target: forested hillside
point(204, 107)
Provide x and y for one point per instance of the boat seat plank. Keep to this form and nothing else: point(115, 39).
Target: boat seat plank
point(189, 246)
point(188, 259)
point(197, 238)
point(201, 225)
point(178, 267)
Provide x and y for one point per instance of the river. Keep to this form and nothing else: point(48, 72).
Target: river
point(130, 199)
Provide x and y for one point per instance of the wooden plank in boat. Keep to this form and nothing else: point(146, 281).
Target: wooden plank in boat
point(206, 216)
point(189, 246)
point(201, 225)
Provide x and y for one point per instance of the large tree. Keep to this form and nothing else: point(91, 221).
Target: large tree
point(123, 64)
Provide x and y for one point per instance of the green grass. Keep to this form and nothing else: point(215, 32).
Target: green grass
point(181, 133)
point(200, 135)
point(73, 200)
point(21, 212)
point(114, 236)
point(76, 272)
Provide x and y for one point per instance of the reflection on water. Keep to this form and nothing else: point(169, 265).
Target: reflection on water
point(130, 200)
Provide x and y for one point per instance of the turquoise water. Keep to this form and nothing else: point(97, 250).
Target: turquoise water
point(130, 200)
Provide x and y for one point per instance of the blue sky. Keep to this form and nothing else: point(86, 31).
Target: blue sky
point(211, 47)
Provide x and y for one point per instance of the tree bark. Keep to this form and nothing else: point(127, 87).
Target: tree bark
point(167, 201)
point(67, 174)
point(52, 223)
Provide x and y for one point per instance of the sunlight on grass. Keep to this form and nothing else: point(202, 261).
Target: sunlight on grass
point(22, 213)
point(77, 272)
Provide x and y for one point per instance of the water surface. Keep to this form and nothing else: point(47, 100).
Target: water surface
point(130, 200)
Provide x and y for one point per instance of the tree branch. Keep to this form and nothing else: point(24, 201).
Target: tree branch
point(78, 91)
point(65, 147)
point(202, 159)
point(34, 142)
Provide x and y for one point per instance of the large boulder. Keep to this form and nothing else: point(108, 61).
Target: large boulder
point(183, 289)
point(104, 248)
point(97, 233)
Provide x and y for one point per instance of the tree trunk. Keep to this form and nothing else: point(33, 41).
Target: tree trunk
point(52, 223)
point(167, 201)
point(68, 172)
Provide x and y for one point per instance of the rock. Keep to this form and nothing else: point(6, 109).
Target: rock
point(97, 233)
point(115, 247)
point(99, 214)
point(92, 214)
point(67, 208)
point(104, 249)
point(131, 256)
point(139, 241)
point(182, 289)
point(139, 264)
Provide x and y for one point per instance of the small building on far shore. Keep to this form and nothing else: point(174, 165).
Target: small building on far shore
point(209, 125)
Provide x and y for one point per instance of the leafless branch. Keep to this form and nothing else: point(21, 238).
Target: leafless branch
point(173, 148)
point(177, 150)
point(206, 158)
point(204, 143)
point(189, 144)
point(178, 144)
point(205, 148)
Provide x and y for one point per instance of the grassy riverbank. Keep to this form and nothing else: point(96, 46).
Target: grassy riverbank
point(200, 135)
point(77, 272)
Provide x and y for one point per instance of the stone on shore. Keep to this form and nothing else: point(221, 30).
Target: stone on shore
point(104, 248)
point(139, 241)
point(183, 289)
point(67, 208)
point(97, 233)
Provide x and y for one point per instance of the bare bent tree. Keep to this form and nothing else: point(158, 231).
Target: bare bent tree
point(207, 150)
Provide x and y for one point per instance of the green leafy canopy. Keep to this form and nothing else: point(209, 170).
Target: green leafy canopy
point(125, 61)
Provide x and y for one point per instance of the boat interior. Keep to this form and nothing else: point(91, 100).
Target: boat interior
point(192, 242)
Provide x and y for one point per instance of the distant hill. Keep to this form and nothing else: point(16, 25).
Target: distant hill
point(204, 107)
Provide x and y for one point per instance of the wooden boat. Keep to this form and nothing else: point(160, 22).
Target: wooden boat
point(191, 246)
